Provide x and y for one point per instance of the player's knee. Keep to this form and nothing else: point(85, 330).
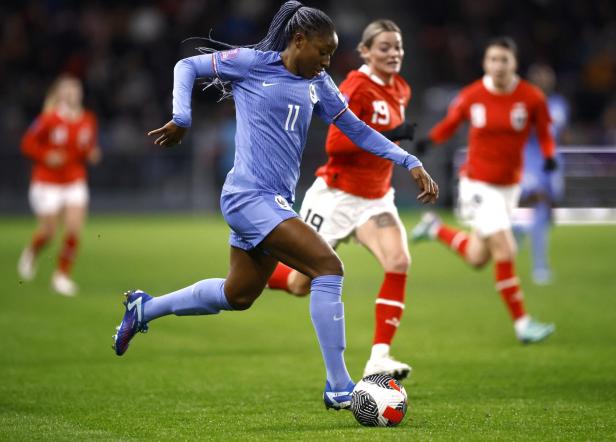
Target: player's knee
point(330, 265)
point(48, 231)
point(477, 263)
point(299, 284)
point(504, 254)
point(242, 302)
point(398, 263)
point(47, 227)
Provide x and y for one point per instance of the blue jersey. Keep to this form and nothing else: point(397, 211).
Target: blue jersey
point(534, 178)
point(274, 108)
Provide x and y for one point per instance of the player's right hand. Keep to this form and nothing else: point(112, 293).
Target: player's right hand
point(428, 187)
point(168, 135)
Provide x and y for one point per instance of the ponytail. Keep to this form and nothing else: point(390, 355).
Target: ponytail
point(291, 18)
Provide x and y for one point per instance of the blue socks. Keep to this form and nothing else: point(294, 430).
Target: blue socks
point(327, 313)
point(205, 297)
point(539, 231)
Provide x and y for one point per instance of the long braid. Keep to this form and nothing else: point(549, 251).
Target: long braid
point(292, 17)
point(278, 33)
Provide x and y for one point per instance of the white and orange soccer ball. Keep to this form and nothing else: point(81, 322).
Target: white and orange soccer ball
point(379, 401)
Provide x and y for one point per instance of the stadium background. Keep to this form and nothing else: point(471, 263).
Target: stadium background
point(257, 375)
point(125, 52)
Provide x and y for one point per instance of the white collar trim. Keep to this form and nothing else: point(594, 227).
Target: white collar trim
point(488, 83)
point(364, 69)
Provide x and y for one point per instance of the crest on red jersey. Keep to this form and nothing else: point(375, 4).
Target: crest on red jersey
point(59, 135)
point(519, 116)
point(478, 115)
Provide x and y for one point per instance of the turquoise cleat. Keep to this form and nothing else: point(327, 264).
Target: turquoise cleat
point(535, 332)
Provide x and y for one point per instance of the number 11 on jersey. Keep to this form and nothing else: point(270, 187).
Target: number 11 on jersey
point(292, 107)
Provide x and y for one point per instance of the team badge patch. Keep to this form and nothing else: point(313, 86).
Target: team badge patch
point(519, 116)
point(282, 202)
point(230, 54)
point(478, 115)
point(313, 94)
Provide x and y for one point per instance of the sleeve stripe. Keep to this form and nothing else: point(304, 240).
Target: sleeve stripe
point(340, 113)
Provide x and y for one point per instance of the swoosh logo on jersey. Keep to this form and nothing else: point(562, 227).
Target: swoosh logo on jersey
point(266, 84)
point(338, 318)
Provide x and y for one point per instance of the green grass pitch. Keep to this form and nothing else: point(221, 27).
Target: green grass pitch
point(258, 375)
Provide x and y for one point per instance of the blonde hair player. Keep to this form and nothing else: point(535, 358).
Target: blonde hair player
point(60, 142)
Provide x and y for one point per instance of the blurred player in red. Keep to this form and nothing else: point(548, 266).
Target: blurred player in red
point(59, 142)
point(352, 195)
point(501, 109)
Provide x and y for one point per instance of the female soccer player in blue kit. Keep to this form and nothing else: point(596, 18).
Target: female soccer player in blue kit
point(277, 84)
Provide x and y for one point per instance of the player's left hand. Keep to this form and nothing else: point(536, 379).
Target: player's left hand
point(428, 187)
point(550, 164)
point(168, 135)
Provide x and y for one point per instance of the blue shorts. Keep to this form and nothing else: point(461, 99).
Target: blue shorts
point(252, 215)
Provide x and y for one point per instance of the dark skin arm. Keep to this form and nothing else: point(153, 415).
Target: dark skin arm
point(168, 135)
point(427, 186)
point(171, 134)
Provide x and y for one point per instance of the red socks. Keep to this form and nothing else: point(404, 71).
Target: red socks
point(455, 239)
point(67, 254)
point(38, 242)
point(389, 307)
point(280, 277)
point(508, 284)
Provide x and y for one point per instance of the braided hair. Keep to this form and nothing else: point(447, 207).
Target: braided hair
point(291, 18)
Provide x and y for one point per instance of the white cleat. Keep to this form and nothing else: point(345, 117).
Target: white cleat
point(63, 285)
point(387, 365)
point(26, 266)
point(426, 227)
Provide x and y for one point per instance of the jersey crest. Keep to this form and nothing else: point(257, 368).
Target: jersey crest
point(519, 116)
point(313, 94)
point(59, 135)
point(478, 115)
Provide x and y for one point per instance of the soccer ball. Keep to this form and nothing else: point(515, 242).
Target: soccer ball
point(379, 400)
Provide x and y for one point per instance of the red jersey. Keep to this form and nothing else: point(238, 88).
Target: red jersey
point(499, 127)
point(381, 106)
point(75, 139)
